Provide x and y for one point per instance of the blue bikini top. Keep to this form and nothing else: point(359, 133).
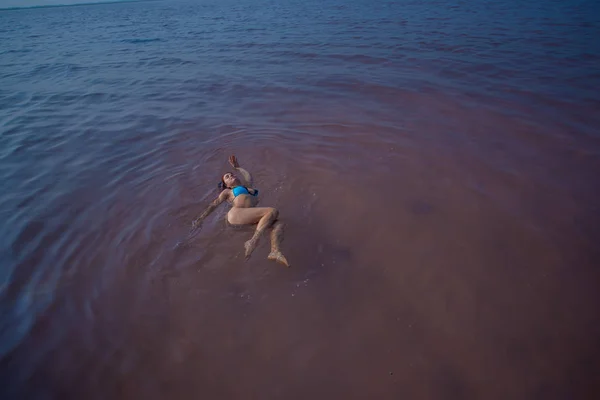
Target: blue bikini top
point(242, 190)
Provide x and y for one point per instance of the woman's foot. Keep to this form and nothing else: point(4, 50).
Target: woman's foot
point(250, 245)
point(277, 256)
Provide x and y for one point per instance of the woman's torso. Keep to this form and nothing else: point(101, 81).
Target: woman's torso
point(242, 200)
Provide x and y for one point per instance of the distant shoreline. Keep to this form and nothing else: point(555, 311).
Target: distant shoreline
point(73, 5)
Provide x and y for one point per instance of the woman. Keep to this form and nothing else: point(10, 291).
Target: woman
point(243, 199)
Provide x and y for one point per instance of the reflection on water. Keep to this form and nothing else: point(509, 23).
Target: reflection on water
point(435, 163)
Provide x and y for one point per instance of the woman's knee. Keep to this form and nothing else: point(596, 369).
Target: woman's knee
point(274, 213)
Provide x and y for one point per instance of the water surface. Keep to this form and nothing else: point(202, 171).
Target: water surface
point(436, 164)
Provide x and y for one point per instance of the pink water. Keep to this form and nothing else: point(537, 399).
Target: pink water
point(436, 165)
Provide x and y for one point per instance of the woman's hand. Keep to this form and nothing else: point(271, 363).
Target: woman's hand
point(234, 162)
point(246, 175)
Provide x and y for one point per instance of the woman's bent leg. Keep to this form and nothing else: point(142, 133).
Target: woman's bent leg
point(276, 238)
point(265, 222)
point(265, 216)
point(246, 216)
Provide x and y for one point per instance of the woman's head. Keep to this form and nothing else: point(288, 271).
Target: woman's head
point(228, 180)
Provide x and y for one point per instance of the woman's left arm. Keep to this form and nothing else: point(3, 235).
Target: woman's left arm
point(245, 174)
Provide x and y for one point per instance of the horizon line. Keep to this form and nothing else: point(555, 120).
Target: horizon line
point(72, 5)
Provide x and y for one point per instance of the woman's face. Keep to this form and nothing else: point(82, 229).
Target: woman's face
point(230, 180)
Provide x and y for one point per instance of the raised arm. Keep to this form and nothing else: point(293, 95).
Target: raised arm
point(245, 174)
point(211, 207)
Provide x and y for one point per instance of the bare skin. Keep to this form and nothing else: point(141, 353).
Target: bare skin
point(245, 212)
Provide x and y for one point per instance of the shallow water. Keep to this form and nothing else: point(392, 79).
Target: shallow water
point(436, 164)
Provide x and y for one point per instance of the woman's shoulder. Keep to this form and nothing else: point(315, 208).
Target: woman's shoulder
point(225, 194)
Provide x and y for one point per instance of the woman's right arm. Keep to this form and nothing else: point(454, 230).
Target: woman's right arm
point(212, 206)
